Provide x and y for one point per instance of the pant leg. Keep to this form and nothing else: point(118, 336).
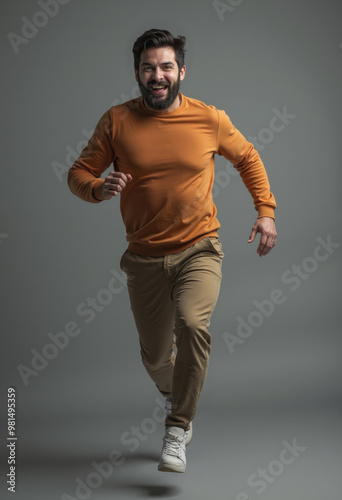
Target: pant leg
point(153, 311)
point(195, 293)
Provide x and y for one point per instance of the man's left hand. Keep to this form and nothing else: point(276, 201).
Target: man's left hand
point(266, 227)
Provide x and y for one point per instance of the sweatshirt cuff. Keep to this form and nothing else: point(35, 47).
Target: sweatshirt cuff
point(265, 211)
point(97, 189)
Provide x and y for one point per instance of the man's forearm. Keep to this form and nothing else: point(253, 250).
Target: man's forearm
point(254, 176)
point(85, 185)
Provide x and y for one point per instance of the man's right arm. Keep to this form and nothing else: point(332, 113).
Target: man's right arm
point(84, 177)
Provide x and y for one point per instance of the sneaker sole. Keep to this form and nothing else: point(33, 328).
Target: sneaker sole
point(170, 468)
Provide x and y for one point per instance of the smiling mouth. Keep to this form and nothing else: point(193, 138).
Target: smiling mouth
point(158, 89)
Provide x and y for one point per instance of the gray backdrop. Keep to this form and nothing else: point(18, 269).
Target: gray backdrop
point(275, 370)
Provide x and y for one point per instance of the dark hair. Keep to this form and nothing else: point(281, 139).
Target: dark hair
point(159, 38)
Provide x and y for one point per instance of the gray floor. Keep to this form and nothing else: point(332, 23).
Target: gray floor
point(227, 459)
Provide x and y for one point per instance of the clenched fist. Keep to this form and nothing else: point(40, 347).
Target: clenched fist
point(114, 183)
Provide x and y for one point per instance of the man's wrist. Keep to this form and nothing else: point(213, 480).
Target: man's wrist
point(266, 211)
point(265, 217)
point(98, 190)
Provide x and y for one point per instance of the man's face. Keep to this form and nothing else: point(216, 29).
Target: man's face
point(159, 78)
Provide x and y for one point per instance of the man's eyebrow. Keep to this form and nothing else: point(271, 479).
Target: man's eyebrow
point(162, 64)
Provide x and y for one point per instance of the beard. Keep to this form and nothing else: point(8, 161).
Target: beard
point(156, 102)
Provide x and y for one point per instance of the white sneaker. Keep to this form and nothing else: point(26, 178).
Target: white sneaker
point(168, 409)
point(173, 454)
point(188, 435)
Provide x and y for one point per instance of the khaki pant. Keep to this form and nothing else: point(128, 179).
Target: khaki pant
point(173, 297)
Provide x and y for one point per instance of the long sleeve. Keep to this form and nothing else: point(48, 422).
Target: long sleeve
point(246, 159)
point(84, 177)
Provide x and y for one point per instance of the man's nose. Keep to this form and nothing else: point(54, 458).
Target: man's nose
point(158, 74)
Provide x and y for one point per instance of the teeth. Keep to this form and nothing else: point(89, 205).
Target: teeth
point(157, 88)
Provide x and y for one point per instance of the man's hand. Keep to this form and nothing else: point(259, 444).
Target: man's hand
point(114, 184)
point(266, 227)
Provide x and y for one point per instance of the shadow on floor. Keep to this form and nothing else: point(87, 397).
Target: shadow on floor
point(136, 476)
point(69, 460)
point(132, 488)
point(143, 490)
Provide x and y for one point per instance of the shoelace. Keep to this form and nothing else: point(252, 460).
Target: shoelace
point(168, 406)
point(173, 445)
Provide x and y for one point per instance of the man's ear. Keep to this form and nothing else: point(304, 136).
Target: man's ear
point(136, 75)
point(182, 73)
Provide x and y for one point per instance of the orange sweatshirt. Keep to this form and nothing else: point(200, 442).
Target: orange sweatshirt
point(168, 206)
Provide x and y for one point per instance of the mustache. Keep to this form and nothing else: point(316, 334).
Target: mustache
point(163, 84)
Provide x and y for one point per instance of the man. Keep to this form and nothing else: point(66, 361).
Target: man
point(163, 145)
